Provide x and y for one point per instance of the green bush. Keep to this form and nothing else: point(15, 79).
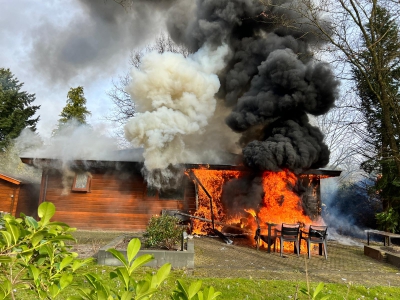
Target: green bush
point(388, 220)
point(33, 254)
point(130, 287)
point(163, 232)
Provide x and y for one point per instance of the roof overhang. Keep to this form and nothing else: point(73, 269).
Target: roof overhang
point(47, 163)
point(322, 172)
point(10, 179)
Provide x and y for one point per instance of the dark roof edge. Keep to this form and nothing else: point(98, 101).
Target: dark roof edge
point(46, 162)
point(323, 172)
point(10, 179)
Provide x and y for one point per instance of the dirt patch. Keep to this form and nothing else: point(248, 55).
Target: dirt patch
point(85, 250)
point(124, 244)
point(88, 243)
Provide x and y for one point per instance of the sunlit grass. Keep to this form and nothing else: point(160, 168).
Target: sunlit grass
point(235, 288)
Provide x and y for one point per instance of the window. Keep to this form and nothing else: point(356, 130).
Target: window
point(81, 182)
point(176, 194)
point(166, 194)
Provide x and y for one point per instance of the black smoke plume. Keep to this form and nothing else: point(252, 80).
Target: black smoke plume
point(271, 80)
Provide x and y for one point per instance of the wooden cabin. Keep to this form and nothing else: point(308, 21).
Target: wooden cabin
point(95, 195)
point(18, 196)
point(113, 195)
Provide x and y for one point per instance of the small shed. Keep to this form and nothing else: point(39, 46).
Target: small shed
point(18, 195)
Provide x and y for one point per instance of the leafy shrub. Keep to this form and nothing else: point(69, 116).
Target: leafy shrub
point(130, 287)
point(33, 254)
point(163, 232)
point(388, 220)
point(185, 292)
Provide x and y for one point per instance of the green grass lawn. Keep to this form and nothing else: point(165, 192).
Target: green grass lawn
point(238, 288)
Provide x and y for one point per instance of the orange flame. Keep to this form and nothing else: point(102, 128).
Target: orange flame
point(213, 182)
point(280, 204)
point(251, 211)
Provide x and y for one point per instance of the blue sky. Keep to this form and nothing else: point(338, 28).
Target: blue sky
point(54, 45)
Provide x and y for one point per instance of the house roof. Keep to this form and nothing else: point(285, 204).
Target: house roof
point(323, 172)
point(10, 179)
point(213, 160)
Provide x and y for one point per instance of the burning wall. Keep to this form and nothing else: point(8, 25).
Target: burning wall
point(245, 200)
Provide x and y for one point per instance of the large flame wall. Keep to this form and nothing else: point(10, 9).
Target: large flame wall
point(278, 201)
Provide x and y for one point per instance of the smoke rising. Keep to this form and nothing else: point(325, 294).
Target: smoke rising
point(289, 143)
point(100, 34)
point(349, 208)
point(72, 142)
point(270, 82)
point(175, 100)
point(282, 86)
point(243, 192)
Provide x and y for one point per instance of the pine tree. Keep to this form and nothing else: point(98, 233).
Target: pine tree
point(76, 107)
point(382, 113)
point(16, 111)
point(75, 111)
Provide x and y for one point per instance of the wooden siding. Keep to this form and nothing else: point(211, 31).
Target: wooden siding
point(28, 200)
point(117, 200)
point(311, 198)
point(190, 197)
point(8, 196)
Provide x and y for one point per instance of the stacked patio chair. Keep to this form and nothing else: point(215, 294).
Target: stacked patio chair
point(290, 233)
point(315, 235)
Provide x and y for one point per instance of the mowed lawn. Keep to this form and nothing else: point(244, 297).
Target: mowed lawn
point(235, 288)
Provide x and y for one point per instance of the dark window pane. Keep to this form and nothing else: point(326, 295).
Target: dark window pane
point(171, 194)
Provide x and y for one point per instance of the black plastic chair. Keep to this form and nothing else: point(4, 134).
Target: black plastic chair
point(289, 233)
point(315, 235)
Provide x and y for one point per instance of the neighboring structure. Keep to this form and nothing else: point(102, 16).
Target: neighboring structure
point(18, 196)
point(113, 195)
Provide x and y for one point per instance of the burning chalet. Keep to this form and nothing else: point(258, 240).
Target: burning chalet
point(113, 195)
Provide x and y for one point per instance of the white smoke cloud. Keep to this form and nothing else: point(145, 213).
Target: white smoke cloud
point(342, 239)
point(72, 142)
point(175, 97)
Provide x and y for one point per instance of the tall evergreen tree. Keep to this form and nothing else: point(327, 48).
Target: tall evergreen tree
point(76, 107)
point(16, 109)
point(74, 111)
point(380, 98)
